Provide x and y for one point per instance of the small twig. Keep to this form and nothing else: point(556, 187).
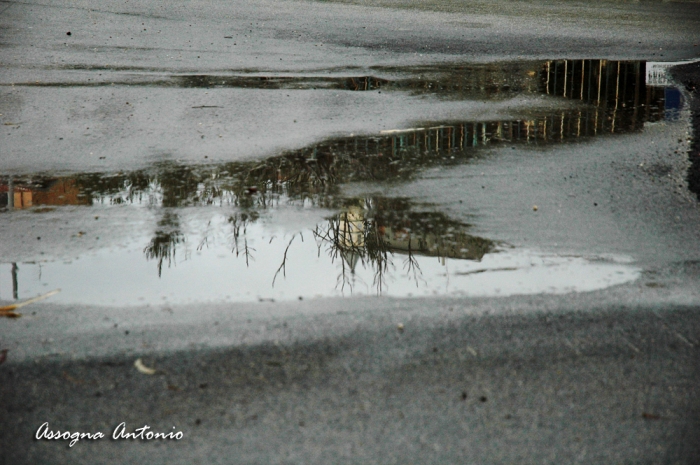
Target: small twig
point(283, 266)
point(205, 240)
point(485, 270)
point(246, 251)
point(7, 311)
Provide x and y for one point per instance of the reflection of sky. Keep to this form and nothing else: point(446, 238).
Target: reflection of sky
point(213, 273)
point(672, 103)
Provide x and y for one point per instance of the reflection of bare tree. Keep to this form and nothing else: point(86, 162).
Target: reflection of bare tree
point(353, 238)
point(368, 232)
point(164, 243)
point(411, 265)
point(371, 231)
point(283, 266)
point(239, 223)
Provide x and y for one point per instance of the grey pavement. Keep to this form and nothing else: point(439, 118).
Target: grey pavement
point(603, 376)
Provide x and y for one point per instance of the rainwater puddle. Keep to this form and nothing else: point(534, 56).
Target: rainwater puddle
point(608, 84)
point(223, 231)
point(375, 246)
point(124, 278)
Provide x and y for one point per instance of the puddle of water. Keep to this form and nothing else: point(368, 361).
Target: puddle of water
point(456, 80)
point(622, 84)
point(218, 235)
point(365, 250)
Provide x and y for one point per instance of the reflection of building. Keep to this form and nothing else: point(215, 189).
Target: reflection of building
point(492, 80)
point(395, 228)
point(372, 230)
point(351, 235)
point(48, 192)
point(618, 88)
point(352, 227)
point(434, 244)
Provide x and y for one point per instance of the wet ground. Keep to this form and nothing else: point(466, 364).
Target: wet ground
point(242, 218)
point(342, 238)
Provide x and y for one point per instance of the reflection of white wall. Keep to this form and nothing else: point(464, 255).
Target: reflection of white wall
point(352, 227)
point(658, 72)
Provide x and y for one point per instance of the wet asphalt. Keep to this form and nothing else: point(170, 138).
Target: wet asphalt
point(607, 376)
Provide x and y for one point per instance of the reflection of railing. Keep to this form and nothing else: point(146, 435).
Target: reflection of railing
point(311, 173)
point(617, 88)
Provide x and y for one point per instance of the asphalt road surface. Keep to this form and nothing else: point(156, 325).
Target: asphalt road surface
point(350, 232)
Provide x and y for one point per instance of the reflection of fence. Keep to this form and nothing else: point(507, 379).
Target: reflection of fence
point(618, 88)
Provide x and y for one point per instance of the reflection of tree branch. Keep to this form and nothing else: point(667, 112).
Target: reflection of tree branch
point(239, 221)
point(378, 254)
point(353, 239)
point(205, 239)
point(411, 263)
point(246, 252)
point(164, 244)
point(283, 266)
point(331, 237)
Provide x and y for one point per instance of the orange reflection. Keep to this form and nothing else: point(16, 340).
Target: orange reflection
point(62, 191)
